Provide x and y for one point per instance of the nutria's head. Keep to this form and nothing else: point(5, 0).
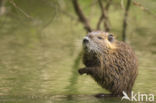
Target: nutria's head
point(98, 42)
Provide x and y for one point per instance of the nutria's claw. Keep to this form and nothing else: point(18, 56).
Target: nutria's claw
point(81, 71)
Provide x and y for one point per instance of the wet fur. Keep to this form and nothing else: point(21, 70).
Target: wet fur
point(115, 69)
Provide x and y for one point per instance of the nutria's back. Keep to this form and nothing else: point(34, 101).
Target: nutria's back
point(113, 63)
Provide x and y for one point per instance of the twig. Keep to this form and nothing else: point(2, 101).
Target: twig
point(21, 10)
point(108, 4)
point(142, 7)
point(81, 16)
point(99, 22)
point(125, 20)
point(104, 16)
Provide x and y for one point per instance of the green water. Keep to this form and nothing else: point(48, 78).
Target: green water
point(39, 60)
point(37, 70)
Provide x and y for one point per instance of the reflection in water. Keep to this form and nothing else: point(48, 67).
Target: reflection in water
point(74, 78)
point(61, 99)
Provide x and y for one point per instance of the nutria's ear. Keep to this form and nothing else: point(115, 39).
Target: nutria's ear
point(110, 37)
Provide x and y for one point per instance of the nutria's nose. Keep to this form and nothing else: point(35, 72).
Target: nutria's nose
point(85, 40)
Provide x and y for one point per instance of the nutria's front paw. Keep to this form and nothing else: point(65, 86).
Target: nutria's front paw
point(81, 71)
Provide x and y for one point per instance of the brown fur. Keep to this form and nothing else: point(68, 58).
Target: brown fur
point(113, 65)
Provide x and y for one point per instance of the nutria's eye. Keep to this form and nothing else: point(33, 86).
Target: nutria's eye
point(99, 37)
point(110, 38)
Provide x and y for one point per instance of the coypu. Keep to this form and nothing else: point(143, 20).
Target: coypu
point(110, 62)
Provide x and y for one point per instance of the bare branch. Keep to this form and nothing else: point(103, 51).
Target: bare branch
point(21, 10)
point(143, 8)
point(104, 16)
point(125, 20)
point(108, 4)
point(81, 16)
point(99, 22)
